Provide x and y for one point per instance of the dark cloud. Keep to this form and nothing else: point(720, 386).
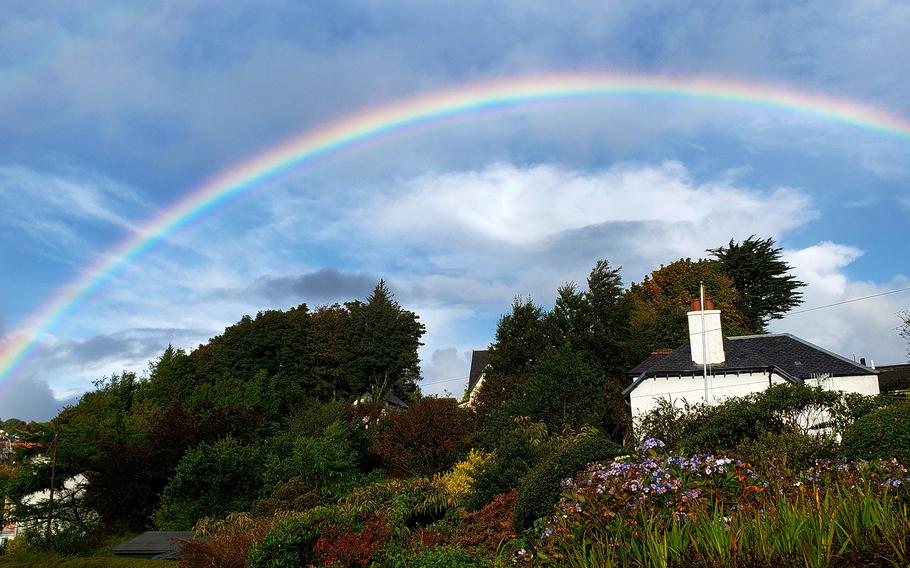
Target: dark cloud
point(323, 285)
point(133, 346)
point(29, 400)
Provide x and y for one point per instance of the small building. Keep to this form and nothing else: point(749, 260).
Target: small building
point(479, 361)
point(894, 378)
point(738, 366)
point(161, 545)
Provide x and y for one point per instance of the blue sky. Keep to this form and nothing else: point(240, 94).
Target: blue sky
point(108, 114)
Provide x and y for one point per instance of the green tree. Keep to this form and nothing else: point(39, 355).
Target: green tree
point(210, 481)
point(609, 317)
point(384, 339)
point(521, 336)
point(567, 388)
point(766, 288)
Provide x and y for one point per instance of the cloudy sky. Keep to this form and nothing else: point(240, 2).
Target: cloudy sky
point(108, 115)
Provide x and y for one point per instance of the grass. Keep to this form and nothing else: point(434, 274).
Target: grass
point(29, 560)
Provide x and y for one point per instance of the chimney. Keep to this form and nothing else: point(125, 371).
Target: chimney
point(713, 336)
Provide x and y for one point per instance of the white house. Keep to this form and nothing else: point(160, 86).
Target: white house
point(738, 366)
point(479, 361)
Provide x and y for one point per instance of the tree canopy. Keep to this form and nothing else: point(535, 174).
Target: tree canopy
point(766, 288)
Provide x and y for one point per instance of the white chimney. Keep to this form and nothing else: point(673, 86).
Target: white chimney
point(712, 335)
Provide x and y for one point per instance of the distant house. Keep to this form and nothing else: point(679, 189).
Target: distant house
point(738, 366)
point(157, 545)
point(479, 361)
point(894, 378)
point(391, 400)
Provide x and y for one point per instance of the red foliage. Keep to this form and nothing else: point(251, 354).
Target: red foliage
point(484, 530)
point(227, 548)
point(426, 438)
point(343, 547)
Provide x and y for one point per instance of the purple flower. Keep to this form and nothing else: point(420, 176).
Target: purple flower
point(651, 443)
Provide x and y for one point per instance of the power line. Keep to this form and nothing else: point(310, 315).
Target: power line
point(848, 301)
point(422, 384)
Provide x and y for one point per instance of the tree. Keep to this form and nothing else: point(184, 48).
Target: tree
point(210, 481)
point(905, 329)
point(766, 289)
point(658, 305)
point(609, 317)
point(521, 336)
point(426, 438)
point(566, 387)
point(384, 339)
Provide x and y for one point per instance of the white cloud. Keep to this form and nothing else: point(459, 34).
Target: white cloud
point(47, 206)
point(866, 328)
point(502, 220)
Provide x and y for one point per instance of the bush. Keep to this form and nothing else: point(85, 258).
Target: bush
point(519, 449)
point(225, 543)
point(289, 543)
point(210, 481)
point(439, 557)
point(541, 488)
point(884, 433)
point(406, 504)
point(779, 409)
point(792, 449)
point(338, 546)
point(459, 482)
point(426, 438)
point(483, 532)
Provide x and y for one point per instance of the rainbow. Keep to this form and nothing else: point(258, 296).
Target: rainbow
point(424, 110)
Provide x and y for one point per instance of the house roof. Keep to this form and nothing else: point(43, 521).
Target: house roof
point(153, 543)
point(894, 377)
point(789, 354)
point(479, 359)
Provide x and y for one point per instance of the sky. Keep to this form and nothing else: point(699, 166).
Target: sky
point(112, 112)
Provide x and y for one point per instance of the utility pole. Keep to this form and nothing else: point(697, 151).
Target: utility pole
point(50, 501)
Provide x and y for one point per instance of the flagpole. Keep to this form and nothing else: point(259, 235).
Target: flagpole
point(704, 340)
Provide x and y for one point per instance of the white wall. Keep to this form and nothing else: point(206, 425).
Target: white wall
point(692, 390)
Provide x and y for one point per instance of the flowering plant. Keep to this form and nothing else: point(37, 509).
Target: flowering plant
point(618, 500)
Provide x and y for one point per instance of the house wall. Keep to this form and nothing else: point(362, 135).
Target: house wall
point(691, 389)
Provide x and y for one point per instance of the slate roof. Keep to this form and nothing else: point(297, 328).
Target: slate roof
point(479, 359)
point(793, 356)
point(153, 543)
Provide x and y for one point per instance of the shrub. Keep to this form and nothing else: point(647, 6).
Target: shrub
point(779, 409)
point(884, 433)
point(439, 557)
point(338, 546)
point(326, 464)
point(289, 542)
point(483, 532)
point(519, 449)
point(226, 543)
point(541, 488)
point(426, 438)
point(406, 504)
point(793, 450)
point(210, 481)
point(459, 482)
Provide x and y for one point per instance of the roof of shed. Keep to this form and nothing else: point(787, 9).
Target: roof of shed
point(154, 542)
